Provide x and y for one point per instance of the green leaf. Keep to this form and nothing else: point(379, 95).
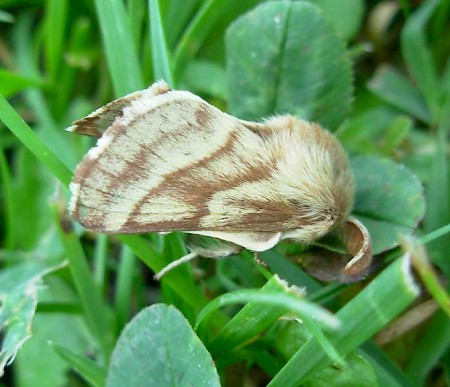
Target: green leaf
point(283, 57)
point(395, 88)
point(37, 364)
point(389, 200)
point(206, 78)
point(356, 372)
point(18, 300)
point(345, 15)
point(159, 348)
point(396, 133)
point(362, 131)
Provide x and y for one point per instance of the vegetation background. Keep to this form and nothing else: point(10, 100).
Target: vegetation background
point(377, 73)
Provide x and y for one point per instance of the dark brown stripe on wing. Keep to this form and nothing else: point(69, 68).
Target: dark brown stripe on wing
point(187, 183)
point(174, 182)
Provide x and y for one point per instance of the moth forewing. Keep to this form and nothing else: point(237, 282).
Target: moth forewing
point(169, 161)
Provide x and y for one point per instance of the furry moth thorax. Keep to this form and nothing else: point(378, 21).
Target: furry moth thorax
point(169, 161)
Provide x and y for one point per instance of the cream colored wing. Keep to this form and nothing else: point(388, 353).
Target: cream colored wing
point(174, 162)
point(255, 241)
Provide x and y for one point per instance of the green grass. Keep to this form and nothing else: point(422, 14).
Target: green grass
point(60, 60)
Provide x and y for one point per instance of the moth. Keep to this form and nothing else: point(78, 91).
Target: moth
point(166, 160)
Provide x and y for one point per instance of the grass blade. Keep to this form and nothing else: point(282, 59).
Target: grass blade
point(160, 54)
point(100, 260)
point(439, 233)
point(361, 318)
point(433, 344)
point(438, 190)
point(97, 314)
point(197, 32)
point(8, 202)
point(427, 273)
point(86, 368)
point(11, 83)
point(22, 131)
point(264, 307)
point(388, 373)
point(137, 19)
point(247, 324)
point(177, 14)
point(55, 25)
point(124, 285)
point(290, 302)
point(418, 57)
point(123, 64)
point(48, 130)
point(177, 278)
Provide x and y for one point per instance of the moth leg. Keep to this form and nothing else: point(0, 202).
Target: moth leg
point(174, 264)
point(258, 260)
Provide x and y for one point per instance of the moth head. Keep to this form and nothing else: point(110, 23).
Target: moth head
point(315, 175)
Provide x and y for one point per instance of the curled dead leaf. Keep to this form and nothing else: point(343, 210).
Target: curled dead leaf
point(357, 241)
point(327, 265)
